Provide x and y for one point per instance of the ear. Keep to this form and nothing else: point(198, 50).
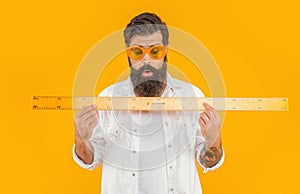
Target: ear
point(167, 47)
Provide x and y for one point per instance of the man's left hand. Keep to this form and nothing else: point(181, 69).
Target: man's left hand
point(210, 123)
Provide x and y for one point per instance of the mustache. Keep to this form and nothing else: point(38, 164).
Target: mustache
point(158, 74)
point(143, 68)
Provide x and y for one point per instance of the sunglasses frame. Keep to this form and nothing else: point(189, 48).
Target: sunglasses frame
point(146, 51)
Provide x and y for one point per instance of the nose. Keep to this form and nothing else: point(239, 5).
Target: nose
point(146, 58)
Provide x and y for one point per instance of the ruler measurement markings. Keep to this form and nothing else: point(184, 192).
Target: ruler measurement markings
point(158, 103)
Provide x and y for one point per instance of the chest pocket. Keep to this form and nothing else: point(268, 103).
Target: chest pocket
point(114, 130)
point(189, 127)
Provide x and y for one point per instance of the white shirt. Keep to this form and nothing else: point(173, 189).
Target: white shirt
point(148, 153)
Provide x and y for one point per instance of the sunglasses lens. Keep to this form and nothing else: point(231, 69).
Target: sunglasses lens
point(157, 52)
point(135, 53)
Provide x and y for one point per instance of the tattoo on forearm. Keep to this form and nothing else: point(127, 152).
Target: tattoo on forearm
point(211, 156)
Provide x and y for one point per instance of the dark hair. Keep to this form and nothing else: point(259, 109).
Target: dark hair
point(146, 24)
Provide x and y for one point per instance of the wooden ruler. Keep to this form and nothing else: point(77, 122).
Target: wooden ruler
point(159, 103)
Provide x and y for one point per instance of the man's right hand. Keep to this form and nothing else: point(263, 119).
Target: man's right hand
point(85, 121)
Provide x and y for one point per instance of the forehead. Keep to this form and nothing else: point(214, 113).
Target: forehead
point(147, 40)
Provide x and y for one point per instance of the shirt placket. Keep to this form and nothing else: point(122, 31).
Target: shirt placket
point(134, 148)
point(170, 164)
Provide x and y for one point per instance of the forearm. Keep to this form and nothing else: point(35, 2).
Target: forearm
point(211, 153)
point(84, 150)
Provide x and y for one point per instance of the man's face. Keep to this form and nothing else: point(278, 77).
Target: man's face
point(148, 75)
point(146, 42)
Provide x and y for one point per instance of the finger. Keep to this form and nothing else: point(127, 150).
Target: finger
point(89, 108)
point(90, 115)
point(214, 113)
point(82, 120)
point(85, 110)
point(202, 122)
point(211, 109)
point(208, 113)
point(207, 106)
point(87, 123)
point(93, 123)
point(205, 118)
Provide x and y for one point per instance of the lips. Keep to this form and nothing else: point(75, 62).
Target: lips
point(147, 72)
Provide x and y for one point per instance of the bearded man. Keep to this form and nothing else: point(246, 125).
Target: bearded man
point(147, 152)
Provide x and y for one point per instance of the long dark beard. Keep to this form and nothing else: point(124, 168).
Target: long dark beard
point(151, 86)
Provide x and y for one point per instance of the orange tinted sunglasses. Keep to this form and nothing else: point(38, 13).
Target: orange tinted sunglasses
point(155, 52)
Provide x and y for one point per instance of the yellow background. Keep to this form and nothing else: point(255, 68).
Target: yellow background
point(255, 43)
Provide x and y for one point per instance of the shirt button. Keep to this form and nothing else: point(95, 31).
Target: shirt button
point(133, 174)
point(169, 146)
point(134, 151)
point(171, 189)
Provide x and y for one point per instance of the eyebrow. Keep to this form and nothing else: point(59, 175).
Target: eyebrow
point(146, 45)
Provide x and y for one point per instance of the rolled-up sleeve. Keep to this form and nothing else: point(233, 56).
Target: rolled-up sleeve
point(91, 166)
point(213, 167)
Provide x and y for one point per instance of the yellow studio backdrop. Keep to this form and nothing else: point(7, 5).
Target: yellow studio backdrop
point(255, 43)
